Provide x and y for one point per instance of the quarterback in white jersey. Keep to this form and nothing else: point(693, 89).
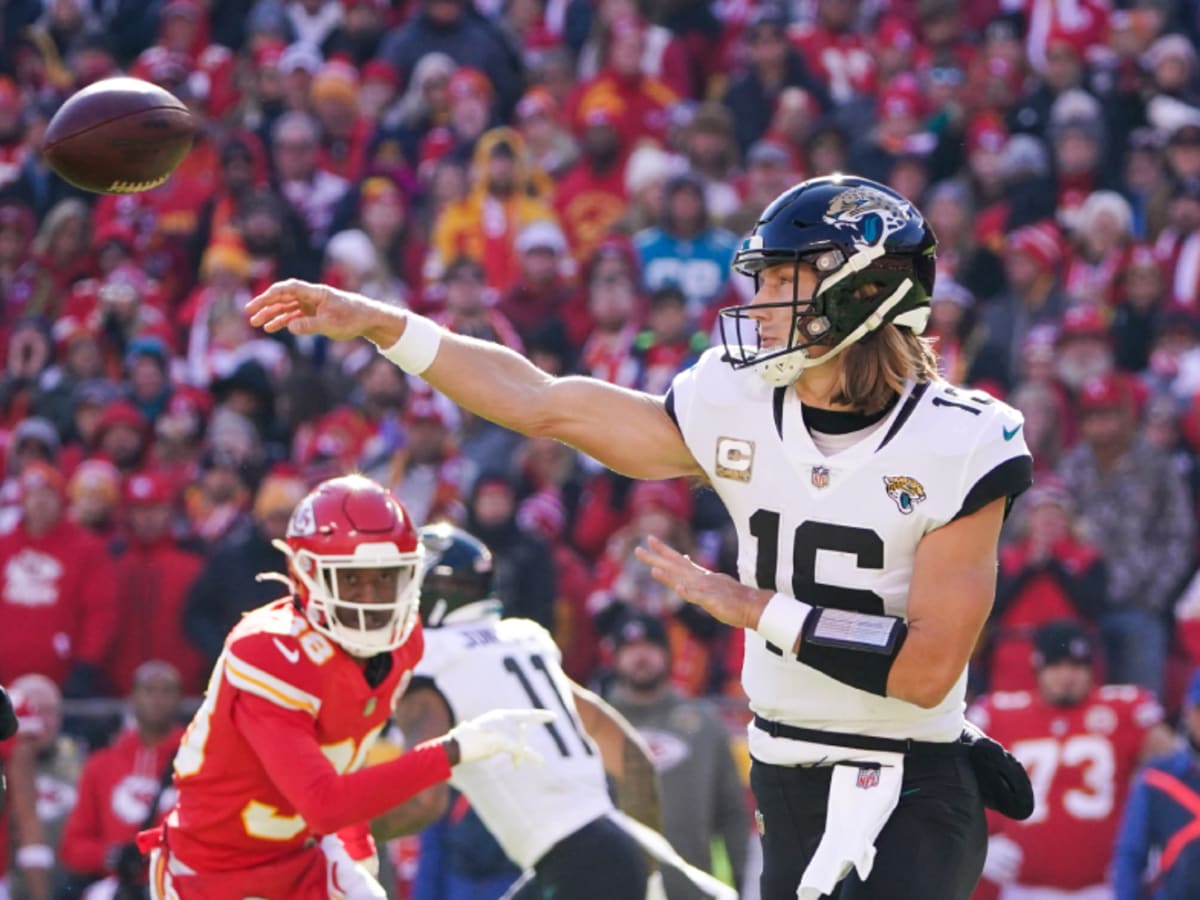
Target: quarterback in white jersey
point(556, 819)
point(868, 497)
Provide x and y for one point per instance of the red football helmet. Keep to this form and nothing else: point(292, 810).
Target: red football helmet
point(353, 523)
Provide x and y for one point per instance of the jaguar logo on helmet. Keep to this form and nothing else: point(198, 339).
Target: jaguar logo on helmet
point(874, 213)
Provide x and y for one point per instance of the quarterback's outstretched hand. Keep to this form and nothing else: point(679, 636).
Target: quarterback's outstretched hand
point(723, 597)
point(493, 733)
point(305, 308)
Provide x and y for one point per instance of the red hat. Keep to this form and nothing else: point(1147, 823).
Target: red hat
point(1143, 256)
point(1082, 321)
point(895, 33)
point(121, 413)
point(38, 474)
point(537, 101)
point(378, 70)
point(902, 98)
point(1104, 392)
point(1039, 241)
point(672, 497)
point(542, 513)
point(424, 408)
point(188, 8)
point(268, 54)
point(188, 399)
point(149, 488)
point(468, 82)
point(986, 132)
point(67, 329)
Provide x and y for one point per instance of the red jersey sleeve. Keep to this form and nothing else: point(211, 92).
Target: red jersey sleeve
point(279, 667)
point(286, 744)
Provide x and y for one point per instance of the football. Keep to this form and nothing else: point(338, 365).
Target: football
point(118, 136)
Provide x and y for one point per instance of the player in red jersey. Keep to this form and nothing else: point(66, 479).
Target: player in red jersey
point(271, 767)
point(1081, 744)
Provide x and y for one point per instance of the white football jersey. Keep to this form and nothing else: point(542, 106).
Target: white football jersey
point(841, 530)
point(494, 663)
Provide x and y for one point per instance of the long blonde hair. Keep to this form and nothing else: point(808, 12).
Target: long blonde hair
point(876, 368)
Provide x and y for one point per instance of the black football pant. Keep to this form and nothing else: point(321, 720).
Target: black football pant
point(932, 847)
point(600, 861)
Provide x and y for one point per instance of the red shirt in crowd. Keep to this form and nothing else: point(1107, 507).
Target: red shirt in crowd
point(57, 601)
point(116, 789)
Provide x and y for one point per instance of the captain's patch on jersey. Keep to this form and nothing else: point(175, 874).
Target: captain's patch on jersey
point(907, 492)
point(735, 458)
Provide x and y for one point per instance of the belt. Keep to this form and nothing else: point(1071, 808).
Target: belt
point(856, 741)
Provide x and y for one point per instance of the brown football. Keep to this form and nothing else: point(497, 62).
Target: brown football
point(118, 136)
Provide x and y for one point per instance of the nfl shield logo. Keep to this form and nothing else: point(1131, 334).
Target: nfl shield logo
point(820, 476)
point(868, 778)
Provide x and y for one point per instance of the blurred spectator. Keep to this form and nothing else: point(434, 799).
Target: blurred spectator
point(1084, 347)
point(591, 197)
point(153, 574)
point(1049, 573)
point(842, 55)
point(1136, 319)
point(1033, 297)
point(711, 152)
point(183, 42)
point(524, 577)
point(639, 102)
point(953, 322)
point(385, 215)
point(94, 492)
point(28, 355)
point(623, 585)
point(57, 758)
point(1067, 733)
point(484, 225)
point(122, 436)
point(424, 106)
point(646, 173)
point(467, 310)
point(359, 33)
point(21, 828)
point(454, 28)
point(1163, 804)
point(314, 21)
point(541, 293)
point(425, 470)
point(58, 598)
point(226, 586)
point(690, 745)
point(310, 188)
point(773, 65)
point(686, 249)
point(551, 146)
point(768, 174)
point(124, 787)
point(612, 310)
point(1102, 233)
point(344, 130)
point(1137, 511)
point(669, 344)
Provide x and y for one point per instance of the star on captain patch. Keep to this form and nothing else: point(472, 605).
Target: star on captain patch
point(820, 476)
point(369, 707)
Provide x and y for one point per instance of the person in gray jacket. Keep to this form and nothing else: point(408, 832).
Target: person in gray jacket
point(690, 745)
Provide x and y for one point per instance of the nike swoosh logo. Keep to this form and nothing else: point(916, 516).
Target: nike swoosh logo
point(291, 654)
point(1010, 433)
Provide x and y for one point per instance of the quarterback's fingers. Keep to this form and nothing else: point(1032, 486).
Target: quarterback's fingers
point(280, 321)
point(279, 292)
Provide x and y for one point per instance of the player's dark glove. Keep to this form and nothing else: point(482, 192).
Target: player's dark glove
point(1003, 782)
point(8, 716)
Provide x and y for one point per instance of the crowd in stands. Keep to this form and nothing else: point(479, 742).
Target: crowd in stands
point(571, 178)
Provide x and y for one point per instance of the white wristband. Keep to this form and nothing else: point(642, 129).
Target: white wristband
point(782, 621)
point(417, 347)
point(35, 856)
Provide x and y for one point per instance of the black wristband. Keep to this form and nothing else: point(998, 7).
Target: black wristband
point(857, 649)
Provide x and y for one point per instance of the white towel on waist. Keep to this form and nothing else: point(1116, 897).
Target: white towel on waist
point(861, 798)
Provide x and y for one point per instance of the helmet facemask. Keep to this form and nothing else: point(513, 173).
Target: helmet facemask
point(846, 305)
point(361, 627)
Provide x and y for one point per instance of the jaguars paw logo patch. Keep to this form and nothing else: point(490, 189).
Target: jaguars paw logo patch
point(906, 492)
